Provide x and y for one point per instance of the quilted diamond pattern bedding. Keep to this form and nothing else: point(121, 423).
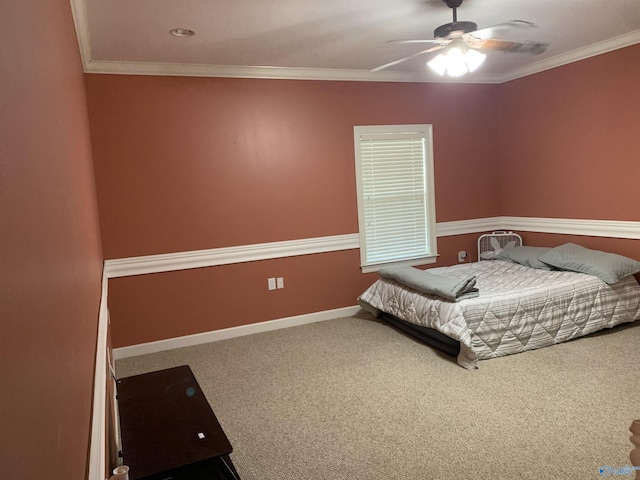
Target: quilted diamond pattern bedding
point(518, 309)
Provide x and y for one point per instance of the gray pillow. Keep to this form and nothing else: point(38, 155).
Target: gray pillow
point(527, 256)
point(609, 267)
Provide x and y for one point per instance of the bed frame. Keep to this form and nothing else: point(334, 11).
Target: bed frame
point(430, 336)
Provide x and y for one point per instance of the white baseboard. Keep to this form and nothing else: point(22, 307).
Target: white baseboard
point(216, 335)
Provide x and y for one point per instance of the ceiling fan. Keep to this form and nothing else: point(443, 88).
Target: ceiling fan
point(465, 36)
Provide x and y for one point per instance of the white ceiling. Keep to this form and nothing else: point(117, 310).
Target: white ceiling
point(334, 39)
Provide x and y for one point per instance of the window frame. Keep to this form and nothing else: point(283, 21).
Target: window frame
point(431, 248)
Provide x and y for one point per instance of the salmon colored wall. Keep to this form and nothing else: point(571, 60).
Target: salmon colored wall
point(50, 255)
point(196, 163)
point(569, 143)
point(166, 305)
point(172, 304)
point(621, 246)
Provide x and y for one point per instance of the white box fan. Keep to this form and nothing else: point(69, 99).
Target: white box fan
point(490, 244)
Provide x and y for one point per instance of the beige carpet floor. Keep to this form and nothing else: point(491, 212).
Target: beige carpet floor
point(354, 399)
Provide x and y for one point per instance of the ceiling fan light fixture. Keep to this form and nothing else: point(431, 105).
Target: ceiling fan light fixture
point(456, 66)
point(438, 64)
point(474, 59)
point(455, 63)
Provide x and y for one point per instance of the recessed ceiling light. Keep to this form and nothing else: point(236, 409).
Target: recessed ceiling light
point(182, 32)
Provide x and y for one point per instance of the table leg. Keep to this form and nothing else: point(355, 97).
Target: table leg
point(228, 465)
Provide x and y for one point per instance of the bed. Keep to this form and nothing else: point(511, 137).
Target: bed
point(516, 308)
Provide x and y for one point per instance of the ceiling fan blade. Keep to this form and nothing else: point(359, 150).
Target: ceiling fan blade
point(496, 30)
point(533, 48)
point(414, 41)
point(395, 62)
point(436, 48)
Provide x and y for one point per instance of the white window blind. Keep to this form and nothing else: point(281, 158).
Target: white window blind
point(395, 194)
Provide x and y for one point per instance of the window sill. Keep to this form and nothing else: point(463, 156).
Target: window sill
point(409, 263)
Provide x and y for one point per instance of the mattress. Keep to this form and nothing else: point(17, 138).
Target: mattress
point(518, 308)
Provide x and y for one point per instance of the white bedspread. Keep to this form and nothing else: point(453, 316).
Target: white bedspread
point(519, 308)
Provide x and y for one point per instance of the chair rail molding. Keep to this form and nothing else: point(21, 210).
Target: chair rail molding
point(567, 226)
point(167, 262)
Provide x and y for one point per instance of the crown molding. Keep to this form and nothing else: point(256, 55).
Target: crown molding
point(610, 45)
point(282, 73)
point(266, 72)
point(79, 13)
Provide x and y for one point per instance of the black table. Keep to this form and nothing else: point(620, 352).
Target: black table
point(168, 429)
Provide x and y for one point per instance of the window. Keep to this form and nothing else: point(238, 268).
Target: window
point(396, 201)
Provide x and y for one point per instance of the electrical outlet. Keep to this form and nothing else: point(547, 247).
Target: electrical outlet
point(280, 282)
point(271, 282)
point(461, 256)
